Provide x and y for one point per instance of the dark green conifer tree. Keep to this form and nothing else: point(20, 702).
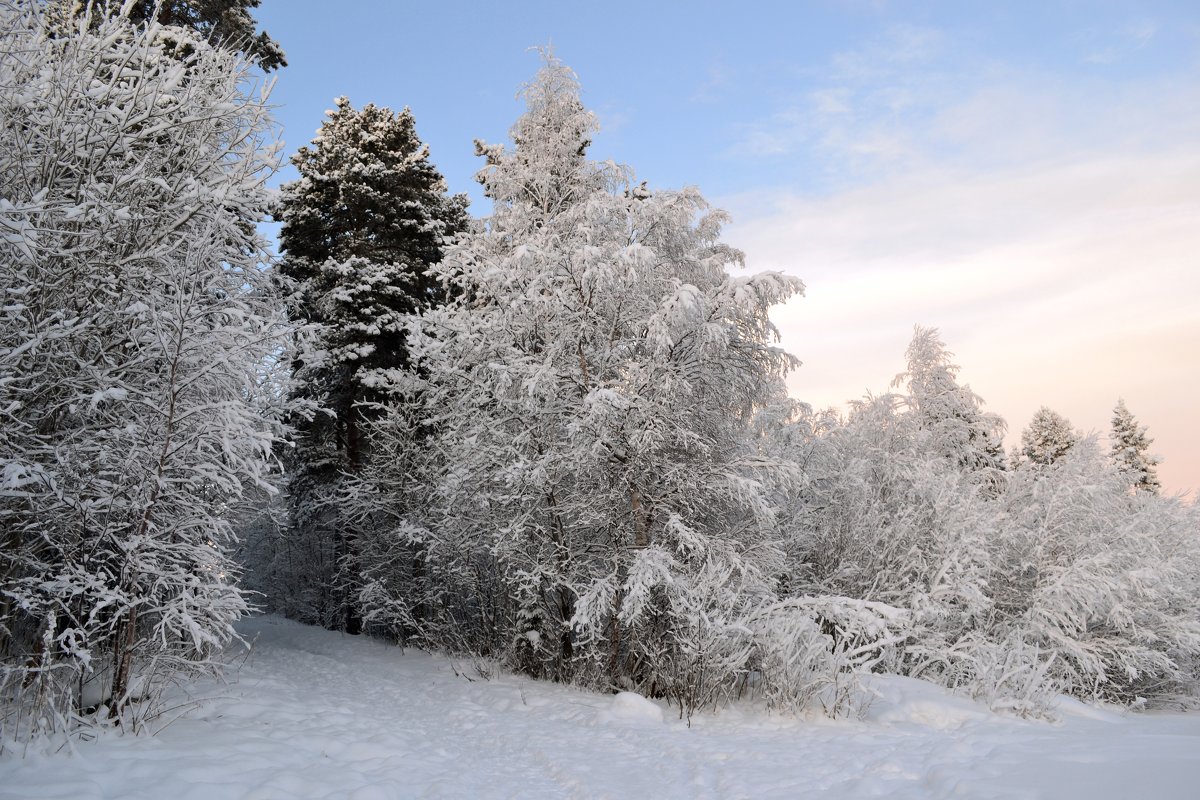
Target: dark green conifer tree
point(361, 227)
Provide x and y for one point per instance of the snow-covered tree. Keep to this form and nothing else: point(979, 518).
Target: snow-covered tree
point(361, 227)
point(1094, 585)
point(951, 416)
point(892, 508)
point(885, 523)
point(1047, 438)
point(597, 511)
point(224, 23)
point(1050, 581)
point(1130, 444)
point(887, 515)
point(137, 327)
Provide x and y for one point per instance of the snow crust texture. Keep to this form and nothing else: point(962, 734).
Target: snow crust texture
point(315, 714)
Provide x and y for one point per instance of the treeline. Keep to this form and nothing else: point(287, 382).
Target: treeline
point(555, 438)
point(562, 443)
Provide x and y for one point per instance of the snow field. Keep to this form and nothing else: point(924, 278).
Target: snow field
point(315, 714)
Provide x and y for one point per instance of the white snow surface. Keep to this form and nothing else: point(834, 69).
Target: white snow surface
point(314, 714)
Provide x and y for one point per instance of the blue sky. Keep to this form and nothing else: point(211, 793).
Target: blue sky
point(1024, 176)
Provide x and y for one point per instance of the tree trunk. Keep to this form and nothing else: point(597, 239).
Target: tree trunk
point(344, 545)
point(125, 640)
point(566, 599)
point(615, 662)
point(641, 529)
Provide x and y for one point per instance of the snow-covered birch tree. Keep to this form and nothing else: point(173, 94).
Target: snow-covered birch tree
point(136, 330)
point(597, 513)
point(949, 415)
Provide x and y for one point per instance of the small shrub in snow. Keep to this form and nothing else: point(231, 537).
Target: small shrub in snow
point(812, 650)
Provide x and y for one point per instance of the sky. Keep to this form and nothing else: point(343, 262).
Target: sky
point(1023, 176)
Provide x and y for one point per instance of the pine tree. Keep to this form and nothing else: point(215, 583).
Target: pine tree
point(1129, 446)
point(1047, 438)
point(136, 328)
point(595, 510)
point(361, 228)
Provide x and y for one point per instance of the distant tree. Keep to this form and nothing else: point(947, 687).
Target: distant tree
point(1129, 450)
point(361, 227)
point(1047, 438)
point(224, 23)
point(137, 328)
point(950, 416)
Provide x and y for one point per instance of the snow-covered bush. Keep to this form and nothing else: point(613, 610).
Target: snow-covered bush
point(883, 518)
point(135, 325)
point(812, 650)
point(1098, 579)
point(1087, 589)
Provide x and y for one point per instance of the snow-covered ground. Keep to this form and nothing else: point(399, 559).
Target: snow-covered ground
point(314, 714)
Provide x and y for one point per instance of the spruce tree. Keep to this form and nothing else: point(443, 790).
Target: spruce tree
point(361, 227)
point(1129, 446)
point(1047, 438)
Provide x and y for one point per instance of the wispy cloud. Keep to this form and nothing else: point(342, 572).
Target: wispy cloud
point(716, 83)
point(901, 46)
point(916, 95)
point(851, 107)
point(1128, 40)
